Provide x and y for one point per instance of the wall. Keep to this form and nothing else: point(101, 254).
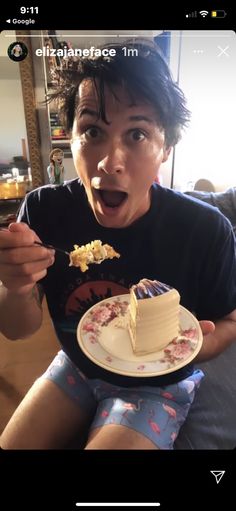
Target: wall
point(13, 127)
point(70, 172)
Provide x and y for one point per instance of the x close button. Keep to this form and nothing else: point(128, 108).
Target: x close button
point(223, 51)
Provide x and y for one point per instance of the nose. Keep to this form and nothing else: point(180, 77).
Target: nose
point(113, 162)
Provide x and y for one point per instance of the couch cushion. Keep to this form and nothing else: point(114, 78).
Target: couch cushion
point(211, 423)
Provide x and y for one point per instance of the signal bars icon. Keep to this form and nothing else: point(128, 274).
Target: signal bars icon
point(191, 15)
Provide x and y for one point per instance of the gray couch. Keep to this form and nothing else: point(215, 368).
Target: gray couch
point(211, 423)
point(224, 201)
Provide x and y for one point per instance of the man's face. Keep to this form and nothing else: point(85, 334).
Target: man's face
point(117, 162)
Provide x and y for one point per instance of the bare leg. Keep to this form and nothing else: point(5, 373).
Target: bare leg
point(115, 436)
point(46, 419)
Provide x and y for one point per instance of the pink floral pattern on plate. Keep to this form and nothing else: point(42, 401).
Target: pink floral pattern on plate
point(103, 313)
point(99, 320)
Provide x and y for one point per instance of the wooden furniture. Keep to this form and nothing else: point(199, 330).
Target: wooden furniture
point(12, 190)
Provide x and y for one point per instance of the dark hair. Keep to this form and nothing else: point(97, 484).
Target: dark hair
point(145, 75)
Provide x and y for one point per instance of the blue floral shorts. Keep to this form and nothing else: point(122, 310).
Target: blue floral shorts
point(155, 412)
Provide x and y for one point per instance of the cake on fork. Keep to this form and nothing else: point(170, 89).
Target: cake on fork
point(94, 252)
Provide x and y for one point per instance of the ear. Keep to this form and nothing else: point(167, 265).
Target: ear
point(166, 153)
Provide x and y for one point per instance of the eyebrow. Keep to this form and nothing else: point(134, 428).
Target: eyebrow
point(141, 118)
point(88, 111)
point(132, 118)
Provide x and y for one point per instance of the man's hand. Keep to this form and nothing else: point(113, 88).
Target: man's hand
point(22, 263)
point(217, 337)
point(208, 329)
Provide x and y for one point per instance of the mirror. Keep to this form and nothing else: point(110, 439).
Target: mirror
point(30, 113)
point(20, 161)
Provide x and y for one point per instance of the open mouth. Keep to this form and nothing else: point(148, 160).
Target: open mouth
point(112, 199)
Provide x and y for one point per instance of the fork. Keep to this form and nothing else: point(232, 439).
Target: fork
point(44, 244)
point(51, 247)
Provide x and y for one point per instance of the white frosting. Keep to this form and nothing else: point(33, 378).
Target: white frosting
point(154, 321)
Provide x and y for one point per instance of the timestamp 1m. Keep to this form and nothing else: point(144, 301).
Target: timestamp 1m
point(130, 52)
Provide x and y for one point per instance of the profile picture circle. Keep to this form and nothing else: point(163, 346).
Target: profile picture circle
point(17, 51)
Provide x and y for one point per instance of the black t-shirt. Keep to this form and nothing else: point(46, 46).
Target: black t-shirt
point(179, 241)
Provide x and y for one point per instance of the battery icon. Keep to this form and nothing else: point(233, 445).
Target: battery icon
point(218, 14)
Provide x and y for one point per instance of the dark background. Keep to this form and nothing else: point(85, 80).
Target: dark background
point(115, 15)
point(56, 480)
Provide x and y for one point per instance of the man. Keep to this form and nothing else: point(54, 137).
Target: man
point(123, 115)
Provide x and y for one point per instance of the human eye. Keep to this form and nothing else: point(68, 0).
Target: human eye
point(137, 135)
point(92, 132)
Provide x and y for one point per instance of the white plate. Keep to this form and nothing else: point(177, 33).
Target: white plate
point(103, 336)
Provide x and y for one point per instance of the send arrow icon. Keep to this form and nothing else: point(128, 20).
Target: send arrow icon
point(218, 474)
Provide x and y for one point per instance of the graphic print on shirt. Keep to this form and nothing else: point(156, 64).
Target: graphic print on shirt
point(87, 293)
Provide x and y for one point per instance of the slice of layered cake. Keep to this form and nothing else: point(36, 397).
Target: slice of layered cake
point(153, 316)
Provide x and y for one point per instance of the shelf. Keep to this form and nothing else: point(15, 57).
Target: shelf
point(61, 141)
point(14, 199)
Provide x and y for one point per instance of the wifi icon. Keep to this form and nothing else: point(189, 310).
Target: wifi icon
point(203, 13)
